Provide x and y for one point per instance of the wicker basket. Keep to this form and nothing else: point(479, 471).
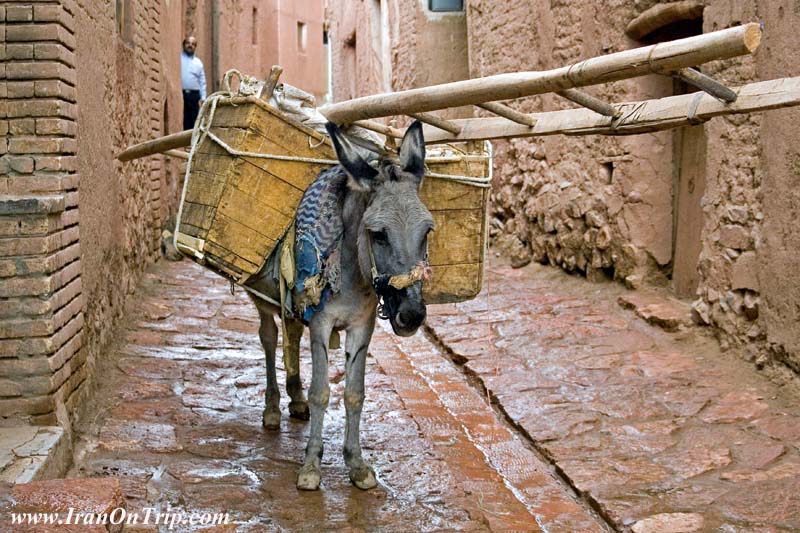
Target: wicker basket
point(235, 208)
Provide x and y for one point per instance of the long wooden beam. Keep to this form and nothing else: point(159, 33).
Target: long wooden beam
point(661, 57)
point(637, 117)
point(162, 144)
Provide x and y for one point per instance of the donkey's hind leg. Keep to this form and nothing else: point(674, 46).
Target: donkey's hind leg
point(268, 333)
point(298, 406)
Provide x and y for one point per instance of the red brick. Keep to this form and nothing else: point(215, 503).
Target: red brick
point(38, 145)
point(19, 51)
point(40, 70)
point(29, 406)
point(40, 108)
point(23, 165)
point(19, 13)
point(25, 126)
point(53, 13)
point(41, 345)
point(55, 52)
point(40, 32)
point(24, 225)
point(26, 185)
point(16, 328)
point(56, 126)
point(20, 89)
point(54, 89)
point(30, 366)
point(58, 163)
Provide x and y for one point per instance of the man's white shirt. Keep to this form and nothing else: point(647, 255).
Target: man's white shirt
point(193, 76)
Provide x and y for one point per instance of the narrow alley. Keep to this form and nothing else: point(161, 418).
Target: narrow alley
point(602, 421)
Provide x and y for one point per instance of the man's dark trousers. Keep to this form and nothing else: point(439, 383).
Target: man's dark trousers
point(191, 106)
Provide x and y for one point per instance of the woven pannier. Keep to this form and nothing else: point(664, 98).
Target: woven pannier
point(235, 208)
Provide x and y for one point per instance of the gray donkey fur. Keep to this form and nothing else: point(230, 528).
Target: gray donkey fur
point(381, 208)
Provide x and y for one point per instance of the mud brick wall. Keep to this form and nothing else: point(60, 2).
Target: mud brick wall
point(597, 205)
point(76, 228)
point(749, 280)
point(592, 205)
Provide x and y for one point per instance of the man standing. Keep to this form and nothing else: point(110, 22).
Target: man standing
point(193, 81)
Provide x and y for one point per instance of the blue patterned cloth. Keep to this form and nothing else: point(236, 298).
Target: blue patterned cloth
point(318, 234)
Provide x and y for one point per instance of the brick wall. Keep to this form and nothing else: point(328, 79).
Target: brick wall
point(41, 316)
point(76, 228)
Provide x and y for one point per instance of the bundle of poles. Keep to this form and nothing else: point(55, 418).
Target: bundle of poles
point(490, 93)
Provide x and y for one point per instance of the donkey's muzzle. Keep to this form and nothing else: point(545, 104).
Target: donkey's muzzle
point(409, 313)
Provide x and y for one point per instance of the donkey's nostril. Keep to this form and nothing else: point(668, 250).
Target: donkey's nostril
point(410, 317)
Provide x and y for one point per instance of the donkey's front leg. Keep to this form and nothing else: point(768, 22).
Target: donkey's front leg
point(318, 395)
point(361, 474)
point(298, 406)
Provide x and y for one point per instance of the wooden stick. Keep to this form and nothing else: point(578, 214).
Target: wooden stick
point(589, 101)
point(438, 122)
point(637, 117)
point(706, 83)
point(389, 131)
point(155, 146)
point(179, 154)
point(271, 82)
point(503, 110)
point(660, 15)
point(662, 57)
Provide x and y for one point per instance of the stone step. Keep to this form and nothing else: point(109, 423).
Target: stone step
point(31, 453)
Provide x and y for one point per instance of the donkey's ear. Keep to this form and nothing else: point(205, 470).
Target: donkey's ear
point(412, 150)
point(355, 165)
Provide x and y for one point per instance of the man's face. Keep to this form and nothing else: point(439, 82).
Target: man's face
point(189, 45)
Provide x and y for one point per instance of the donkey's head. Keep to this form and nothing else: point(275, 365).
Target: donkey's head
point(393, 231)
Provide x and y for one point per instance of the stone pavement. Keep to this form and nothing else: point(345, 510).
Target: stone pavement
point(659, 430)
point(176, 422)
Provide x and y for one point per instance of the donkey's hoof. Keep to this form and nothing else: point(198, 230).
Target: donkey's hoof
point(308, 478)
point(299, 410)
point(271, 419)
point(363, 477)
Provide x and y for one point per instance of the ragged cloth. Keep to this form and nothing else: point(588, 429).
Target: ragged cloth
point(317, 243)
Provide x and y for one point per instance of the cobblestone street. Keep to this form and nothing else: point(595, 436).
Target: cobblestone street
point(601, 421)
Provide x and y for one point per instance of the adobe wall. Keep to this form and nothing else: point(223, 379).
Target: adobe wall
point(595, 204)
point(589, 205)
point(750, 285)
point(78, 227)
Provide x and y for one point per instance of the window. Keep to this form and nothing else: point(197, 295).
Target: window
point(446, 5)
point(124, 19)
point(254, 30)
point(302, 36)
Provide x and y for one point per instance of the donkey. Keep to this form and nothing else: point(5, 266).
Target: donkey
point(385, 230)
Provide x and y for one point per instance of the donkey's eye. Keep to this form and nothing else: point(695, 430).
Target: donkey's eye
point(379, 237)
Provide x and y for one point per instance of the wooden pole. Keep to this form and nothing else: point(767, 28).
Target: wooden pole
point(637, 117)
point(662, 57)
point(512, 114)
point(388, 131)
point(271, 82)
point(433, 120)
point(156, 146)
point(706, 83)
point(588, 101)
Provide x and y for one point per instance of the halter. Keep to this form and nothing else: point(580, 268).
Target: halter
point(384, 283)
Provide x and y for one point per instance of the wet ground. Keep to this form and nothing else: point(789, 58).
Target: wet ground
point(597, 421)
point(178, 419)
